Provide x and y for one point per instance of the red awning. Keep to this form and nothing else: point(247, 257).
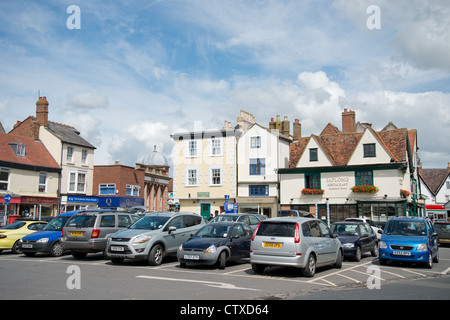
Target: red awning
point(434, 207)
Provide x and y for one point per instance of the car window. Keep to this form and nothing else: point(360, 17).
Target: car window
point(36, 226)
point(285, 229)
point(253, 220)
point(14, 225)
point(237, 231)
point(123, 221)
point(405, 228)
point(107, 222)
point(176, 222)
point(363, 230)
point(244, 219)
point(248, 231)
point(325, 232)
point(190, 221)
point(315, 229)
point(82, 221)
point(135, 217)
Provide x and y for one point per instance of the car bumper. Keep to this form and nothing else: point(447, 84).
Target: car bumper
point(126, 251)
point(412, 256)
point(93, 245)
point(35, 246)
point(197, 257)
point(349, 252)
point(6, 244)
point(297, 261)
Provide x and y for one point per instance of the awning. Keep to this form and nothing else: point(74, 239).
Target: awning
point(433, 207)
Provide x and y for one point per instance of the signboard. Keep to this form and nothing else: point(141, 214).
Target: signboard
point(7, 198)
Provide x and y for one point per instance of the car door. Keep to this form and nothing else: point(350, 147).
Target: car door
point(328, 243)
point(238, 241)
point(318, 241)
point(364, 240)
point(173, 239)
point(432, 237)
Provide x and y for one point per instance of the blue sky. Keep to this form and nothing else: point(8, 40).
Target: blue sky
point(136, 71)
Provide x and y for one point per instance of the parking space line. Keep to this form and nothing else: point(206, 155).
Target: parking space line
point(394, 274)
point(350, 278)
point(368, 275)
point(420, 274)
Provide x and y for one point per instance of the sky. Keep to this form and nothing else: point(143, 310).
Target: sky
point(127, 74)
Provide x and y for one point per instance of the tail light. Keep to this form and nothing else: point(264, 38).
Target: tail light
point(3, 236)
point(95, 233)
point(297, 233)
point(62, 233)
point(256, 230)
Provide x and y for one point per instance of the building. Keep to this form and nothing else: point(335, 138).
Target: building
point(435, 189)
point(356, 172)
point(29, 175)
point(118, 186)
point(72, 152)
point(261, 151)
point(205, 171)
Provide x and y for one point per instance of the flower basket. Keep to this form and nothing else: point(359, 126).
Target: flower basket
point(404, 193)
point(365, 189)
point(312, 191)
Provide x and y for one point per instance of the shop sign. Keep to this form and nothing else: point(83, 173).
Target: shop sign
point(38, 200)
point(338, 183)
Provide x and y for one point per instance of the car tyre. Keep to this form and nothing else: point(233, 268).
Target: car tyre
point(222, 261)
point(310, 269)
point(258, 268)
point(429, 264)
point(15, 248)
point(338, 263)
point(436, 258)
point(56, 250)
point(374, 251)
point(358, 254)
point(383, 262)
point(156, 255)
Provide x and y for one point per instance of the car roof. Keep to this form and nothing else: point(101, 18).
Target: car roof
point(409, 218)
point(226, 223)
point(349, 222)
point(290, 219)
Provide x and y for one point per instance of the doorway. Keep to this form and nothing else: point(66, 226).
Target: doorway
point(205, 210)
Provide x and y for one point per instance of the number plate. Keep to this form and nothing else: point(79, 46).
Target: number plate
point(273, 244)
point(27, 246)
point(402, 253)
point(76, 234)
point(114, 248)
point(191, 257)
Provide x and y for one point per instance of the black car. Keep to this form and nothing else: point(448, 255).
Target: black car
point(443, 232)
point(249, 218)
point(356, 238)
point(215, 244)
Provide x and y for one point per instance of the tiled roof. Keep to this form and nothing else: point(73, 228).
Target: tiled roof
point(36, 153)
point(68, 134)
point(434, 178)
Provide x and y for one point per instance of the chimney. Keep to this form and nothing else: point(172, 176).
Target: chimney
point(278, 124)
point(448, 167)
point(42, 111)
point(297, 128)
point(271, 124)
point(348, 121)
point(286, 126)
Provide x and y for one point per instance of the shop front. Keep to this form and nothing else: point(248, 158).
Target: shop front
point(123, 203)
point(39, 208)
point(437, 212)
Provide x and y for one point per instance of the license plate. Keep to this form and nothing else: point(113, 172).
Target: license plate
point(114, 248)
point(273, 244)
point(27, 246)
point(402, 253)
point(76, 234)
point(191, 257)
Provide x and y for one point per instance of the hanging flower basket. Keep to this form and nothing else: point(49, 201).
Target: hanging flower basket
point(365, 189)
point(312, 191)
point(404, 193)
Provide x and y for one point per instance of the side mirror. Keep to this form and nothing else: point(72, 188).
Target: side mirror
point(172, 229)
point(380, 231)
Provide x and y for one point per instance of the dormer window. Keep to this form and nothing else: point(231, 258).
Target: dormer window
point(19, 149)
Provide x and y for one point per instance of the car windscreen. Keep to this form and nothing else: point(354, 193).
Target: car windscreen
point(56, 224)
point(213, 231)
point(150, 223)
point(225, 218)
point(14, 225)
point(345, 229)
point(276, 229)
point(405, 228)
point(82, 221)
point(287, 213)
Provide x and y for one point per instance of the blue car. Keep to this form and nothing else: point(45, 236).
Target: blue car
point(46, 240)
point(411, 239)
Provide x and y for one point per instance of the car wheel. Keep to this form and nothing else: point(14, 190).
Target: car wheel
point(156, 255)
point(222, 261)
point(338, 263)
point(310, 268)
point(383, 262)
point(258, 268)
point(358, 254)
point(56, 250)
point(374, 251)
point(436, 258)
point(429, 264)
point(15, 247)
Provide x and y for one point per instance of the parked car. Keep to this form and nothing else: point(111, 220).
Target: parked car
point(356, 238)
point(86, 231)
point(12, 233)
point(412, 239)
point(153, 236)
point(249, 218)
point(48, 239)
point(443, 232)
point(372, 224)
point(304, 243)
point(216, 243)
point(295, 213)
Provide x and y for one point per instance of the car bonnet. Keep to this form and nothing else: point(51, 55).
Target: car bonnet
point(51, 235)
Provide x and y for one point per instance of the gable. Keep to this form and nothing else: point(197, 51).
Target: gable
point(381, 153)
point(322, 157)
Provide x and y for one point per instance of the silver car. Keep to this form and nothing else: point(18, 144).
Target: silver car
point(153, 236)
point(304, 243)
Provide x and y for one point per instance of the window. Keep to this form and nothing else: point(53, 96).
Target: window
point(192, 177)
point(123, 221)
point(42, 182)
point(19, 149)
point(77, 181)
point(107, 222)
point(84, 156)
point(107, 189)
point(257, 166)
point(258, 190)
point(255, 142)
point(312, 180)
point(4, 179)
point(369, 150)
point(313, 154)
point(69, 154)
point(133, 190)
point(192, 148)
point(216, 177)
point(216, 147)
point(364, 178)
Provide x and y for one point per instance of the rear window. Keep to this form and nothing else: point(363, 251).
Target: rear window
point(82, 221)
point(273, 229)
point(288, 213)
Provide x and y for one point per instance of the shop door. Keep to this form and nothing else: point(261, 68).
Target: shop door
point(205, 210)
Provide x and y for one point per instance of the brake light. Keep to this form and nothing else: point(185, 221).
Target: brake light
point(62, 233)
point(297, 233)
point(2, 236)
point(256, 230)
point(95, 233)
